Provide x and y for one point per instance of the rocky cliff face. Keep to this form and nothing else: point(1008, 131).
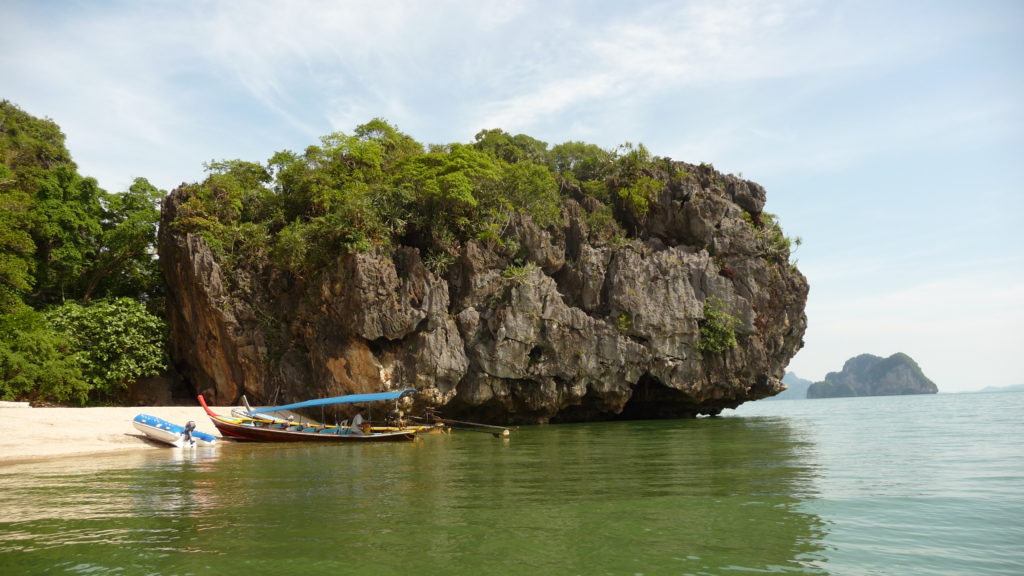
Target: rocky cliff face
point(868, 375)
point(569, 327)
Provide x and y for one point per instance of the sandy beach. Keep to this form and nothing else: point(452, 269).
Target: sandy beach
point(46, 433)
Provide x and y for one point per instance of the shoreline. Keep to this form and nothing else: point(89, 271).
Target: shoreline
point(40, 434)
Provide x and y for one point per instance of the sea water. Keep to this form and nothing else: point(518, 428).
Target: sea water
point(894, 485)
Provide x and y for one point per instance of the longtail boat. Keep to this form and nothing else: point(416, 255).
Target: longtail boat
point(257, 427)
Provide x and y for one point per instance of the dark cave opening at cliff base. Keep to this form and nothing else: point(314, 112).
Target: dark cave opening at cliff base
point(652, 400)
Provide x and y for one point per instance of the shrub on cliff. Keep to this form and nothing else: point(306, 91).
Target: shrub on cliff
point(718, 329)
point(775, 245)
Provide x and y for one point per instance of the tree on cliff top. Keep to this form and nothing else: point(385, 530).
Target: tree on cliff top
point(375, 188)
point(378, 188)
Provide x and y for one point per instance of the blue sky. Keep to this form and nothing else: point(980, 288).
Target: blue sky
point(889, 135)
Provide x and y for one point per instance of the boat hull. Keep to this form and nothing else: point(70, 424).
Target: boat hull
point(259, 432)
point(163, 431)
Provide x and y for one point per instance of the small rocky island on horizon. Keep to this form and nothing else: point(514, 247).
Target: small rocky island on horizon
point(869, 375)
point(864, 375)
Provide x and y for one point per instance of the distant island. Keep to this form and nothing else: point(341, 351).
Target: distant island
point(869, 375)
point(1011, 388)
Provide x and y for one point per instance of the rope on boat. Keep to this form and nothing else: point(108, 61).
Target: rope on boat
point(496, 431)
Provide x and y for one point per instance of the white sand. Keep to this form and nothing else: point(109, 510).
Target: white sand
point(44, 433)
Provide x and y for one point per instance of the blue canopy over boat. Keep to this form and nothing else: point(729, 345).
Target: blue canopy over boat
point(350, 399)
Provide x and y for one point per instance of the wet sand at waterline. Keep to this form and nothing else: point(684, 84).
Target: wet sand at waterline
point(28, 433)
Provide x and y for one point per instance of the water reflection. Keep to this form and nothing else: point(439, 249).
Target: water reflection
point(96, 486)
point(685, 497)
point(689, 495)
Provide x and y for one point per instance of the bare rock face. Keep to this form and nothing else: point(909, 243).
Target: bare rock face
point(571, 327)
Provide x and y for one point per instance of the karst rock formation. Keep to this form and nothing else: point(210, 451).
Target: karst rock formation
point(570, 327)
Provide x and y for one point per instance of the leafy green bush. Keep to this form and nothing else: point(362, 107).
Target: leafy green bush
point(438, 262)
point(718, 328)
point(76, 353)
point(116, 341)
point(602, 226)
point(38, 362)
point(637, 197)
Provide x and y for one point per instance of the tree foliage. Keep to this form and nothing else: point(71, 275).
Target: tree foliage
point(37, 362)
point(124, 264)
point(117, 341)
point(62, 237)
point(511, 149)
point(16, 250)
point(377, 187)
point(64, 240)
point(76, 353)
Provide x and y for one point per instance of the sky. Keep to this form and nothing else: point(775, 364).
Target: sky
point(889, 135)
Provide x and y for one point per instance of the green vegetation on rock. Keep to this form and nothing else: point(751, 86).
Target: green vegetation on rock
point(378, 188)
point(718, 329)
point(770, 237)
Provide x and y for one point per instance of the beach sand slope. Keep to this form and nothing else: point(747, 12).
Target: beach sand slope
point(42, 433)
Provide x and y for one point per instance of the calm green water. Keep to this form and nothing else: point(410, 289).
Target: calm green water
point(925, 485)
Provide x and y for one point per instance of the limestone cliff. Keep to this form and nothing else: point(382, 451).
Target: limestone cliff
point(868, 375)
point(570, 326)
